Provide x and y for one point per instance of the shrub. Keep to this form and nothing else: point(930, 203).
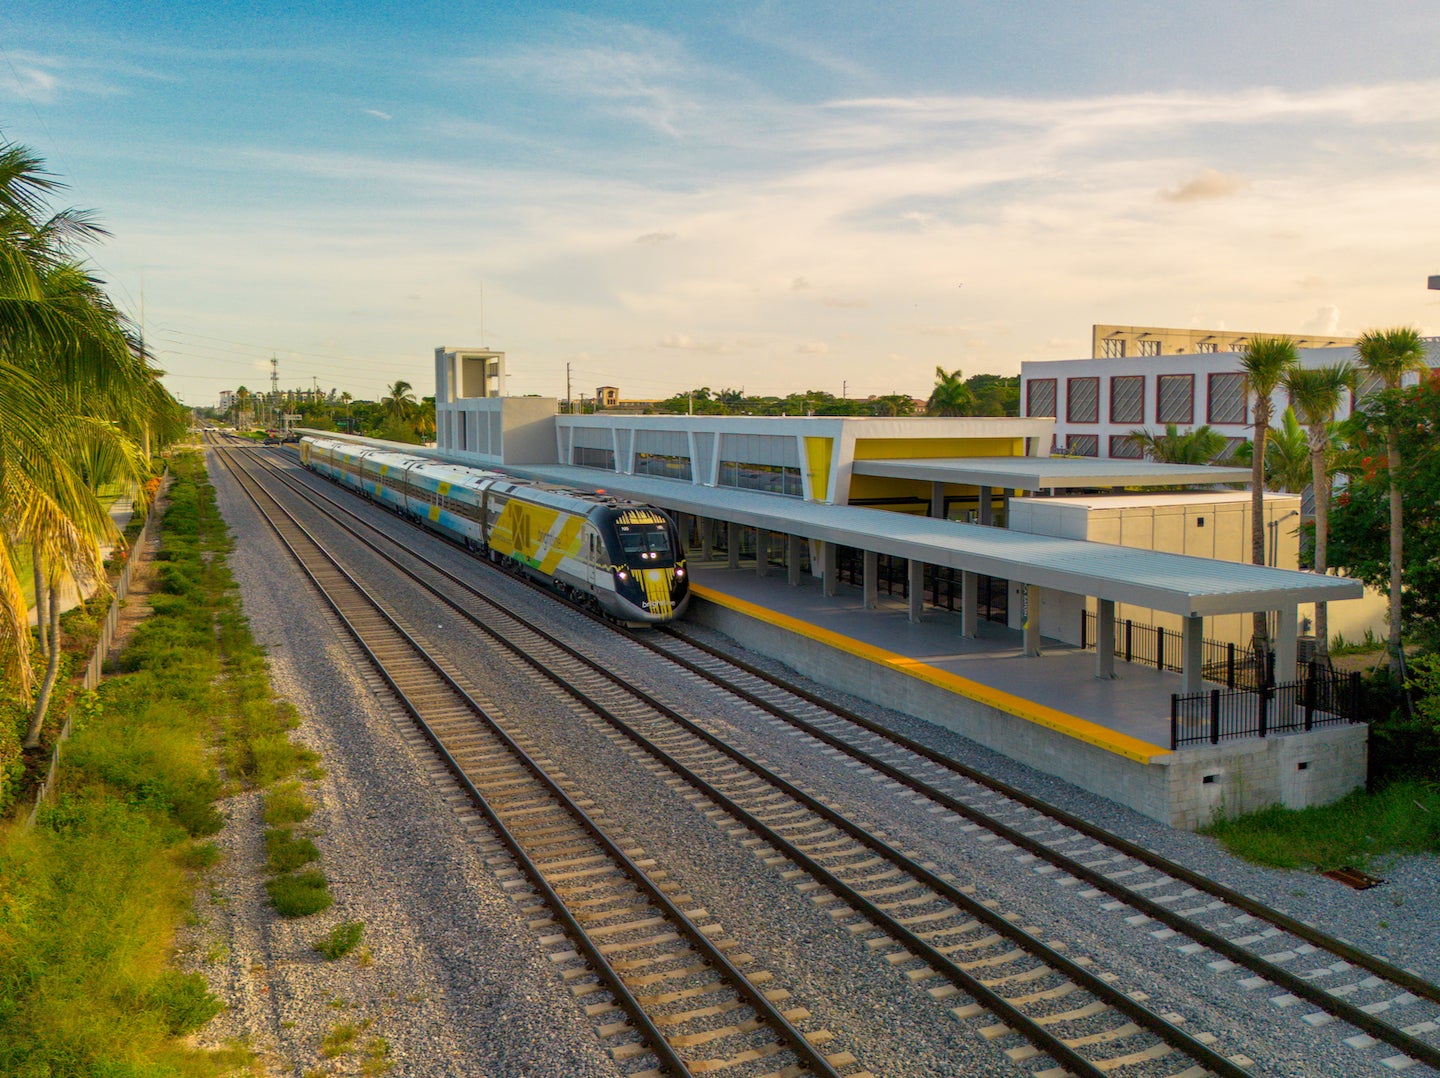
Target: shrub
point(299, 895)
point(340, 940)
point(285, 853)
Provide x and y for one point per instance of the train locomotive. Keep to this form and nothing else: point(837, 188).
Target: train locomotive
point(621, 558)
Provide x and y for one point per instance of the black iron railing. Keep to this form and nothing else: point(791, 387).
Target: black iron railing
point(1234, 666)
point(1322, 697)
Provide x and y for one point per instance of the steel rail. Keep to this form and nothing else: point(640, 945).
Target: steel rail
point(1036, 1033)
point(655, 1039)
point(1341, 1009)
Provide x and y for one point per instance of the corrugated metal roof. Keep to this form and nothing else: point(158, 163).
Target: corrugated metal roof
point(1176, 583)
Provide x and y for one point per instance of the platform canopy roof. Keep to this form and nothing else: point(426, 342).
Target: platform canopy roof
point(1177, 583)
point(1051, 473)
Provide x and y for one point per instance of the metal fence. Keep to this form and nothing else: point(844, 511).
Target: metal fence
point(1322, 697)
point(93, 668)
point(1235, 667)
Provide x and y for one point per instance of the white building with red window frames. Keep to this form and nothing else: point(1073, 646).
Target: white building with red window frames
point(1097, 403)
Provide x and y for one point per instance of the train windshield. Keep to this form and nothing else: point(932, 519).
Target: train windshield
point(646, 545)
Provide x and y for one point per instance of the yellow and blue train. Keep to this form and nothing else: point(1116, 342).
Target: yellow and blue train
point(621, 558)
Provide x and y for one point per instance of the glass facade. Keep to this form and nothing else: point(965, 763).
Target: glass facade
point(663, 465)
point(586, 457)
point(770, 478)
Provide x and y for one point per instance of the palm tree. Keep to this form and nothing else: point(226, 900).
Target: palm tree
point(400, 402)
point(1389, 354)
point(951, 395)
point(1287, 455)
point(1265, 361)
point(77, 401)
point(1199, 446)
point(1317, 393)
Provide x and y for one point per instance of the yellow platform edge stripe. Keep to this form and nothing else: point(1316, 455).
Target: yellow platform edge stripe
point(1091, 733)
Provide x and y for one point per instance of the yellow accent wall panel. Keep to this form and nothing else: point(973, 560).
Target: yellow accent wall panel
point(818, 452)
point(920, 448)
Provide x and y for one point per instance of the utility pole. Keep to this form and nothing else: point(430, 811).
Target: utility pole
point(274, 385)
point(567, 388)
point(844, 389)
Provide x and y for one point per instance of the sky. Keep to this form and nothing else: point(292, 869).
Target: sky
point(775, 197)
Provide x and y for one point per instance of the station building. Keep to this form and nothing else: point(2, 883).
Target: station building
point(954, 538)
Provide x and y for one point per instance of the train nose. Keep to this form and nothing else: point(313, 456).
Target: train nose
point(656, 585)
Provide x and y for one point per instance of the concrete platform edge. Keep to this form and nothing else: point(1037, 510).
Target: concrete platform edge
point(1186, 789)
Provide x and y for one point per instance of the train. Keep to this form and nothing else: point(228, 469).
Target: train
point(620, 558)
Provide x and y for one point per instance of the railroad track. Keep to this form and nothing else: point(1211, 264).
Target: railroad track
point(1016, 988)
point(661, 978)
point(1199, 919)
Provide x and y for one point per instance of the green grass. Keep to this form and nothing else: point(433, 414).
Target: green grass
point(91, 897)
point(1356, 831)
point(299, 895)
point(340, 940)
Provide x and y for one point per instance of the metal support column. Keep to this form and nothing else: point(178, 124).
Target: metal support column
point(917, 588)
point(1192, 653)
point(762, 552)
point(872, 580)
point(793, 546)
point(1286, 643)
point(987, 511)
point(1105, 638)
point(732, 544)
point(937, 500)
point(1032, 620)
point(969, 604)
point(829, 569)
point(707, 538)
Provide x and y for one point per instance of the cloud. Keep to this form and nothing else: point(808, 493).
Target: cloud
point(799, 284)
point(1325, 322)
point(685, 343)
point(1209, 184)
point(813, 348)
point(655, 237)
point(376, 113)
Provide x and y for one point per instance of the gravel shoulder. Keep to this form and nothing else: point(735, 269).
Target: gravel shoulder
point(448, 980)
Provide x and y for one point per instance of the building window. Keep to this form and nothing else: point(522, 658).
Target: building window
point(1232, 446)
point(1112, 348)
point(1123, 447)
point(585, 457)
point(1040, 397)
point(1127, 399)
point(1207, 347)
point(662, 465)
point(770, 478)
point(1082, 400)
point(1175, 398)
point(1225, 399)
point(1082, 445)
point(1149, 348)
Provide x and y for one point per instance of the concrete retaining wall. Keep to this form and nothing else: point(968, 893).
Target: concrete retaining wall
point(1184, 789)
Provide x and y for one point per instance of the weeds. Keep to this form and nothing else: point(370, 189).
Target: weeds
point(1354, 831)
point(299, 895)
point(285, 853)
point(340, 940)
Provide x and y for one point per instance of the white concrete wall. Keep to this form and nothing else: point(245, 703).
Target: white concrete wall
point(1165, 522)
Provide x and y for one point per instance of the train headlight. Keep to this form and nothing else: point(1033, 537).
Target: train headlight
point(622, 575)
point(679, 574)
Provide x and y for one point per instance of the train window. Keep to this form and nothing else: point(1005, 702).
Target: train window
point(633, 542)
point(658, 541)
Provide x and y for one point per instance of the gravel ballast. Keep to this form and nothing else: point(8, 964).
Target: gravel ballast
point(458, 984)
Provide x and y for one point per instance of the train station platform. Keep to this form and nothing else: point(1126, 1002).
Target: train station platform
point(1110, 737)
